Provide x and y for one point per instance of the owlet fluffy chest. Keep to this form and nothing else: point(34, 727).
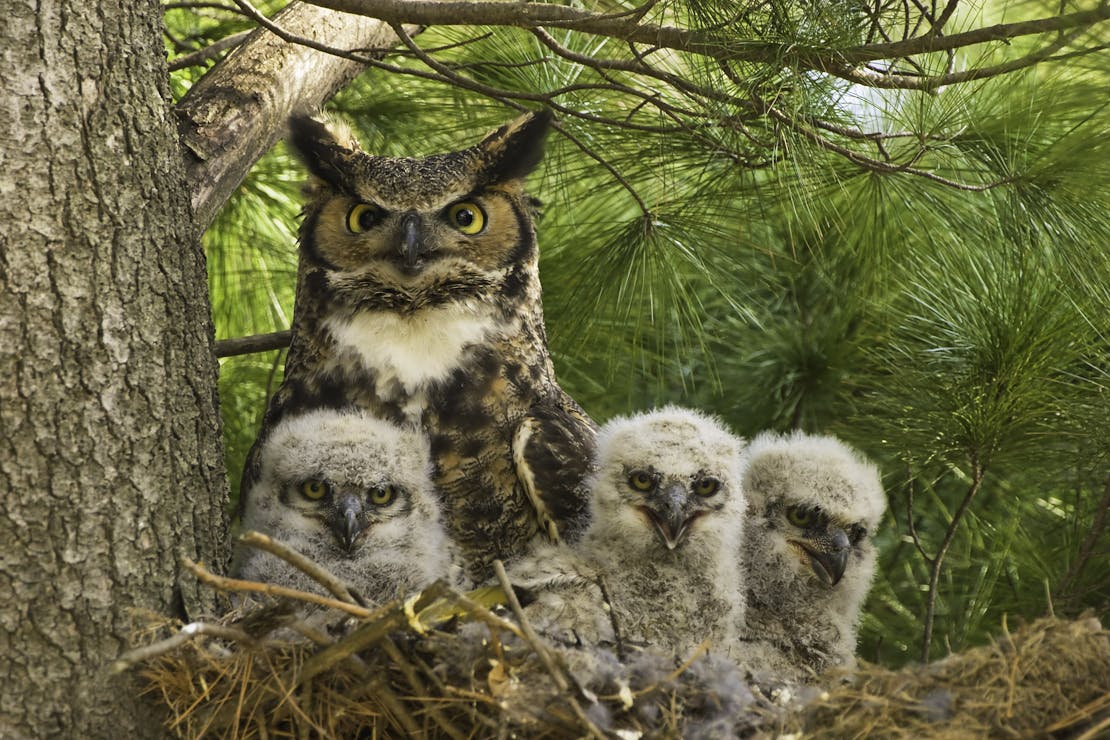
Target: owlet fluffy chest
point(418, 301)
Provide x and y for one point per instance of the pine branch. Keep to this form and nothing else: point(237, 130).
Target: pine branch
point(710, 44)
point(239, 108)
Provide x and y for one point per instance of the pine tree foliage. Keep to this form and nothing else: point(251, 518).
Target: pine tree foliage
point(910, 252)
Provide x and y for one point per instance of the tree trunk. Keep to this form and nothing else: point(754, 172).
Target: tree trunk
point(110, 458)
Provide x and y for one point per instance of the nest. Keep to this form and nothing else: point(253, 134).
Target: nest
point(1050, 678)
point(443, 664)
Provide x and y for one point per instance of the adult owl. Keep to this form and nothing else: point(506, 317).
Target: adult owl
point(658, 565)
point(808, 554)
point(354, 494)
point(418, 300)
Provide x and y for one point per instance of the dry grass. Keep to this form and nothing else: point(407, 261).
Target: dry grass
point(1049, 678)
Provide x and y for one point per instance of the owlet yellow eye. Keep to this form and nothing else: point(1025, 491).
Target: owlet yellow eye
point(467, 217)
point(383, 496)
point(641, 480)
point(314, 490)
point(363, 217)
point(801, 516)
point(707, 486)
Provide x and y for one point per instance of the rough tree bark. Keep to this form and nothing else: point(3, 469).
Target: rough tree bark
point(110, 459)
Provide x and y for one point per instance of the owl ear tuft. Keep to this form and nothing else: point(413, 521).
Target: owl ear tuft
point(324, 149)
point(515, 149)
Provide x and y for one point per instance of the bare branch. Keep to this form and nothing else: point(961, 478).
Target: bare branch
point(711, 44)
point(210, 52)
point(865, 76)
point(236, 112)
point(557, 673)
point(255, 343)
point(876, 165)
point(234, 584)
point(378, 624)
point(977, 473)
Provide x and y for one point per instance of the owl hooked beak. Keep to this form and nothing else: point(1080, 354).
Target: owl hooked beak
point(826, 552)
point(348, 524)
point(413, 245)
point(671, 523)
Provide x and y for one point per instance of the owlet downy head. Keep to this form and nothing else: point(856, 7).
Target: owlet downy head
point(815, 505)
point(664, 477)
point(352, 493)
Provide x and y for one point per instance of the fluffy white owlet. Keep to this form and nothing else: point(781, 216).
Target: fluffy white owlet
point(808, 554)
point(418, 301)
point(658, 564)
point(352, 493)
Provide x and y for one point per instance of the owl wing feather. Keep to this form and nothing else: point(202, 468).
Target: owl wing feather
point(552, 454)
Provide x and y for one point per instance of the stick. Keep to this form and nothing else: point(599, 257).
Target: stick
point(316, 572)
point(253, 343)
point(560, 677)
point(234, 584)
point(186, 634)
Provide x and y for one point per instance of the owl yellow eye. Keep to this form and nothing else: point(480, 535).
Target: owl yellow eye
point(383, 496)
point(641, 480)
point(467, 217)
point(363, 217)
point(707, 486)
point(314, 490)
point(801, 516)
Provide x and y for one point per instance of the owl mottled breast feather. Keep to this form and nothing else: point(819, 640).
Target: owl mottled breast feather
point(418, 301)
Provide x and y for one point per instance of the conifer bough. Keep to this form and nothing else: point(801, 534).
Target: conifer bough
point(627, 26)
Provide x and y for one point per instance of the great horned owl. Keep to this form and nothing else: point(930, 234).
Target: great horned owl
point(354, 494)
point(418, 300)
point(658, 564)
point(808, 554)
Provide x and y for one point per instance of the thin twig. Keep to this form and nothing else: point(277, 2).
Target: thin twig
point(188, 633)
point(912, 525)
point(977, 472)
point(485, 615)
point(554, 669)
point(395, 707)
point(234, 584)
point(314, 571)
point(1094, 535)
point(200, 56)
point(401, 663)
point(614, 622)
point(379, 623)
point(930, 83)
